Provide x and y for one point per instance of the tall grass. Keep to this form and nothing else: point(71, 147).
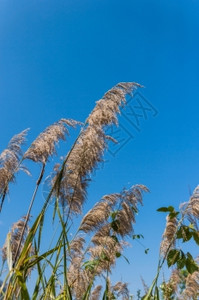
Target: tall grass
point(70, 268)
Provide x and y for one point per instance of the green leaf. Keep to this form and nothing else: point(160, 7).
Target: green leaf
point(173, 214)
point(173, 256)
point(191, 265)
point(104, 257)
point(115, 238)
point(134, 209)
point(24, 290)
point(117, 254)
point(126, 259)
point(181, 261)
point(115, 225)
point(157, 296)
point(189, 256)
point(179, 233)
point(90, 264)
point(166, 209)
point(191, 226)
point(137, 236)
point(114, 214)
point(185, 233)
point(196, 237)
point(146, 251)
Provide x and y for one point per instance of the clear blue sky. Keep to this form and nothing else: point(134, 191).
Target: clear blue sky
point(58, 57)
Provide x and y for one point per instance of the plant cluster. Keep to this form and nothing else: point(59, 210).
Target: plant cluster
point(70, 268)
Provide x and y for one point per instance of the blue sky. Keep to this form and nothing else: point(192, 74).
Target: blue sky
point(58, 57)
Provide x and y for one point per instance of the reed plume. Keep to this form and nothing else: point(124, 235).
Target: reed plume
point(169, 234)
point(10, 163)
point(191, 208)
point(76, 246)
point(15, 233)
point(170, 288)
point(107, 108)
point(192, 286)
point(44, 145)
point(105, 253)
point(96, 216)
point(78, 278)
point(90, 147)
point(175, 279)
point(95, 294)
point(104, 231)
point(121, 289)
point(99, 214)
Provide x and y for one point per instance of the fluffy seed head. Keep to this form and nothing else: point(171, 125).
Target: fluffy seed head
point(95, 295)
point(16, 232)
point(121, 289)
point(9, 161)
point(96, 216)
point(89, 149)
point(192, 286)
point(168, 235)
point(44, 145)
point(76, 246)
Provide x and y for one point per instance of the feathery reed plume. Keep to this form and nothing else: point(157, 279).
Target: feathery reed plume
point(170, 288)
point(168, 235)
point(96, 216)
point(16, 231)
point(44, 145)
point(192, 286)
point(103, 232)
point(121, 289)
point(191, 208)
point(175, 279)
point(105, 253)
point(78, 278)
point(76, 246)
point(89, 149)
point(100, 213)
point(95, 294)
point(9, 163)
point(125, 218)
point(107, 108)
